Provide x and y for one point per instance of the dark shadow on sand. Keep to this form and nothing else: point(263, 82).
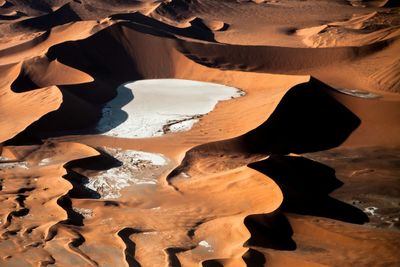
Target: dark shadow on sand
point(61, 16)
point(270, 230)
point(82, 103)
point(212, 263)
point(112, 113)
point(102, 162)
point(306, 186)
point(307, 119)
point(145, 24)
point(130, 246)
point(78, 181)
point(254, 258)
point(78, 189)
point(105, 118)
point(73, 217)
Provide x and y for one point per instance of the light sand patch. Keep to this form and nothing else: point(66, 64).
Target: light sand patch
point(206, 245)
point(137, 168)
point(149, 108)
point(371, 210)
point(86, 213)
point(357, 93)
point(14, 164)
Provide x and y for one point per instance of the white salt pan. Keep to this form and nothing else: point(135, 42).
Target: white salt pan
point(137, 168)
point(149, 108)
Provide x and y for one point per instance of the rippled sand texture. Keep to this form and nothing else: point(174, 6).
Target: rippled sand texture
point(286, 155)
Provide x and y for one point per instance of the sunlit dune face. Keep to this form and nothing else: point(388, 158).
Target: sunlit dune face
point(199, 133)
point(202, 218)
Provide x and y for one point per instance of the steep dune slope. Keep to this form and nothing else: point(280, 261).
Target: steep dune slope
point(31, 189)
point(284, 175)
point(33, 104)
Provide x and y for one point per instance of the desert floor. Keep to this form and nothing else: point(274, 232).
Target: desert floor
point(200, 133)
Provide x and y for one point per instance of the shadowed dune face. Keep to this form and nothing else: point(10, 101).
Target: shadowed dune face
point(33, 179)
point(293, 127)
point(12, 123)
point(185, 225)
point(112, 113)
point(270, 231)
point(307, 119)
point(367, 174)
point(320, 79)
point(132, 61)
point(306, 185)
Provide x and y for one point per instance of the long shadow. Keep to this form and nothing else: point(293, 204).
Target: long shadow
point(306, 185)
point(145, 24)
point(79, 191)
point(102, 162)
point(63, 15)
point(211, 263)
point(274, 59)
point(106, 118)
point(112, 114)
point(130, 246)
point(270, 230)
point(92, 56)
point(109, 70)
point(173, 260)
point(252, 258)
point(73, 217)
point(307, 119)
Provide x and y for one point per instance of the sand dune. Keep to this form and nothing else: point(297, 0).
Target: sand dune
point(357, 31)
point(248, 133)
point(41, 72)
point(24, 225)
point(34, 104)
point(165, 211)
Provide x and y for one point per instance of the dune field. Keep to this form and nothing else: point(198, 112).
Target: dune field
point(200, 133)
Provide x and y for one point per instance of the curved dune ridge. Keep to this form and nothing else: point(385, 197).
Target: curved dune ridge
point(199, 133)
point(358, 30)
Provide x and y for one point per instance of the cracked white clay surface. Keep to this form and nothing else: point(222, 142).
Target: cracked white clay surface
point(137, 168)
point(136, 113)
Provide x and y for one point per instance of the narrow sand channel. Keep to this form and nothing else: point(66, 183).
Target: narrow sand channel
point(148, 108)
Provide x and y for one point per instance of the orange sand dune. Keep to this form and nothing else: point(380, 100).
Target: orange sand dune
point(173, 64)
point(169, 213)
point(43, 72)
point(302, 170)
point(36, 179)
point(34, 104)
